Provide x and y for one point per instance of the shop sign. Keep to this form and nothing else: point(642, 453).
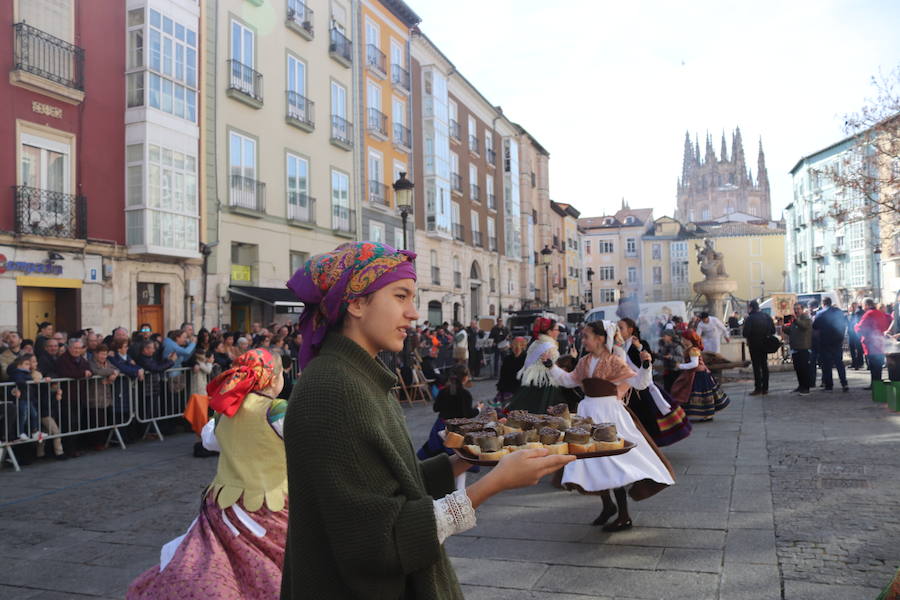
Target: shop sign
point(47, 267)
point(241, 273)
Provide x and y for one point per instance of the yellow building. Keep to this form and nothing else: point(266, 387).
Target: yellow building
point(613, 251)
point(384, 101)
point(754, 255)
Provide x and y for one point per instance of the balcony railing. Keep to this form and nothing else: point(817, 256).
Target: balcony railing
point(341, 131)
point(457, 279)
point(475, 192)
point(248, 193)
point(340, 48)
point(491, 156)
point(46, 56)
point(343, 219)
point(435, 276)
point(301, 17)
point(300, 110)
point(377, 122)
point(459, 231)
point(51, 214)
point(492, 201)
point(454, 130)
point(301, 208)
point(378, 193)
point(473, 144)
point(477, 239)
point(492, 244)
point(400, 77)
point(402, 136)
point(376, 60)
point(456, 182)
point(838, 250)
point(245, 80)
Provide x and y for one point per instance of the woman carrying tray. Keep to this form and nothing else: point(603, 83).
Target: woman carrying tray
point(696, 389)
point(235, 547)
point(604, 377)
point(664, 420)
point(368, 519)
point(539, 391)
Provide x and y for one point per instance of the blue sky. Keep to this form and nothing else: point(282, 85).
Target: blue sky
point(609, 88)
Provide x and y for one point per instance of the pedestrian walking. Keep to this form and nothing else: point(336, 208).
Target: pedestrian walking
point(831, 323)
point(857, 357)
point(799, 333)
point(871, 328)
point(758, 326)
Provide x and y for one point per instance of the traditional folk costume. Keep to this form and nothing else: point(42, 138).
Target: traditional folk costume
point(234, 549)
point(369, 519)
point(696, 389)
point(644, 465)
point(539, 390)
point(664, 420)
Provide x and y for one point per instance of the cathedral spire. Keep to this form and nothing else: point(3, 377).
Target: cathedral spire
point(710, 157)
point(688, 160)
point(737, 154)
point(724, 153)
point(761, 172)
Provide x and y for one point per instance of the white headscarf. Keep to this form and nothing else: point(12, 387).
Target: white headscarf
point(611, 330)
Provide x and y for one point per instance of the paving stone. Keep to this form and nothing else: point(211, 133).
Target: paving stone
point(565, 553)
point(660, 584)
point(475, 592)
point(691, 560)
point(750, 520)
point(805, 590)
point(751, 546)
point(499, 573)
point(750, 582)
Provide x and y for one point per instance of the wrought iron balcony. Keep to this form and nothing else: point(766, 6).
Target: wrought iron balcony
point(400, 77)
point(343, 219)
point(459, 231)
point(300, 18)
point(341, 132)
point(456, 182)
point(377, 122)
point(435, 276)
point(39, 53)
point(402, 136)
point(248, 193)
point(378, 193)
point(491, 156)
point(454, 130)
point(300, 111)
point(473, 144)
point(340, 48)
point(477, 240)
point(475, 192)
point(301, 208)
point(376, 60)
point(492, 201)
point(246, 81)
point(48, 213)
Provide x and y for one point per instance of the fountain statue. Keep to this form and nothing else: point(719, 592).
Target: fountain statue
point(716, 286)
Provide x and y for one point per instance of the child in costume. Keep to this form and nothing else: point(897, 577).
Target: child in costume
point(696, 389)
point(235, 547)
point(539, 391)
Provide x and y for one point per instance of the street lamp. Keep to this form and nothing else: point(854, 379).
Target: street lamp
point(546, 253)
point(590, 282)
point(877, 255)
point(403, 192)
point(762, 284)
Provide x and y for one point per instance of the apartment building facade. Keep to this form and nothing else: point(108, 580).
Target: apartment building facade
point(384, 98)
point(465, 188)
point(667, 251)
point(573, 272)
point(613, 250)
point(534, 189)
point(280, 148)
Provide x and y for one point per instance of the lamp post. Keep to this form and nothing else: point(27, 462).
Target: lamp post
point(590, 277)
point(403, 188)
point(546, 253)
point(877, 281)
point(762, 284)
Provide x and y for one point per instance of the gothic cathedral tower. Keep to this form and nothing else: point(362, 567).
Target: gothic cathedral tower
point(714, 187)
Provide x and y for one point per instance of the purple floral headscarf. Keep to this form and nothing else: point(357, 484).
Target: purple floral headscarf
point(328, 282)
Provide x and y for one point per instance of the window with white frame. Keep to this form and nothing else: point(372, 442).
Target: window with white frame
point(167, 216)
point(605, 247)
point(630, 247)
point(633, 275)
point(656, 251)
point(607, 295)
point(242, 54)
point(657, 276)
point(857, 235)
point(398, 238)
point(340, 201)
point(242, 170)
point(170, 68)
point(679, 271)
point(376, 232)
point(45, 164)
point(298, 260)
point(858, 271)
point(587, 246)
point(606, 273)
point(679, 249)
point(298, 206)
point(489, 192)
point(492, 234)
point(473, 134)
point(338, 100)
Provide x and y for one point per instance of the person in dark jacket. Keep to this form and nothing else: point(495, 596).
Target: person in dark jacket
point(814, 360)
point(150, 393)
point(857, 357)
point(831, 324)
point(799, 334)
point(757, 327)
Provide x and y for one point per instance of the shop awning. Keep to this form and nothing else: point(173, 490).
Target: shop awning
point(270, 296)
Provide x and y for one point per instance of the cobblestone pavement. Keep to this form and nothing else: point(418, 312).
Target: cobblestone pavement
point(780, 497)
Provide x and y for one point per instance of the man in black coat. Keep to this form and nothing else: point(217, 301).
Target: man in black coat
point(499, 333)
point(757, 327)
point(831, 324)
point(857, 357)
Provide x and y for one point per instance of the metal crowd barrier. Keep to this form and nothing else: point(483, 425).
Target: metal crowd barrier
point(44, 411)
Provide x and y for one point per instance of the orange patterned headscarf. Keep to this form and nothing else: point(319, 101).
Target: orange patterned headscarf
point(252, 371)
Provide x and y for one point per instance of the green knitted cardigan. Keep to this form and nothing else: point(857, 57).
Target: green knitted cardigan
point(361, 504)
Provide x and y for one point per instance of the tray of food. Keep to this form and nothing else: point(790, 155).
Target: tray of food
point(485, 439)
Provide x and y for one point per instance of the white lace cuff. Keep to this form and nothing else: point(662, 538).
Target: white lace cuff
point(453, 514)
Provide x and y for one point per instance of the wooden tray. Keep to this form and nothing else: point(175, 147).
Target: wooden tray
point(493, 463)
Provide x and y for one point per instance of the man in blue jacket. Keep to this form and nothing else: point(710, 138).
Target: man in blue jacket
point(831, 325)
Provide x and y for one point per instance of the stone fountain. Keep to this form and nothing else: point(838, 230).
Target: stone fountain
point(717, 287)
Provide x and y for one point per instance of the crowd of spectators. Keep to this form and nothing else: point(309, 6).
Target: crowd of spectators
point(60, 382)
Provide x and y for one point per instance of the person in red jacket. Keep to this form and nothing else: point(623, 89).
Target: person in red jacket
point(871, 328)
